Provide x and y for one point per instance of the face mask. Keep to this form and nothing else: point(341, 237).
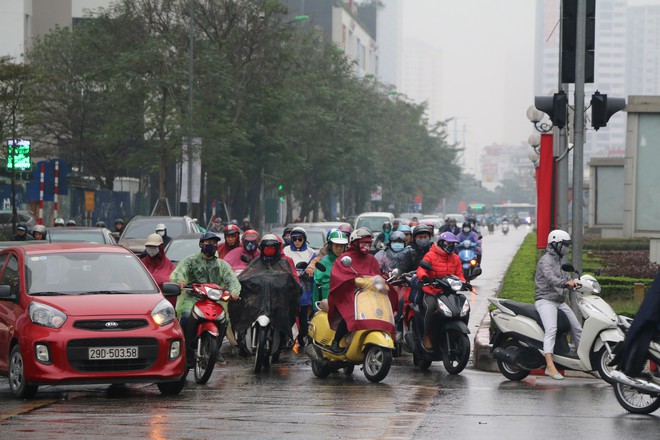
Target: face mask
point(466, 230)
point(209, 249)
point(397, 247)
point(161, 233)
point(287, 241)
point(448, 247)
point(563, 250)
point(364, 247)
point(250, 246)
point(423, 242)
point(152, 251)
point(269, 251)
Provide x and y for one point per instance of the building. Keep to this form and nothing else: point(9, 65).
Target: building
point(389, 42)
point(421, 76)
point(642, 43)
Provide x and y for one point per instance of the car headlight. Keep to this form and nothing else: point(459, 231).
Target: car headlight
point(46, 315)
point(163, 313)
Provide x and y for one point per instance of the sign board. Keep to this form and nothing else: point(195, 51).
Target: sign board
point(18, 154)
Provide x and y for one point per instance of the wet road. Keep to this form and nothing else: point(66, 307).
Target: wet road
point(289, 402)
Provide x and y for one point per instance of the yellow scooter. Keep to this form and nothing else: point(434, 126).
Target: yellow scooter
point(371, 347)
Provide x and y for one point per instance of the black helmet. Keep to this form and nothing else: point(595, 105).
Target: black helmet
point(118, 220)
point(421, 229)
point(209, 236)
point(100, 224)
point(467, 224)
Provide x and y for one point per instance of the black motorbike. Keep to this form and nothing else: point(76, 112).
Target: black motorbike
point(449, 330)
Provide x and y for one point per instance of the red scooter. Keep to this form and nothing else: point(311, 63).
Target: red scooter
point(212, 326)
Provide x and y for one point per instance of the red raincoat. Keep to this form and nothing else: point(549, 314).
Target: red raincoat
point(160, 267)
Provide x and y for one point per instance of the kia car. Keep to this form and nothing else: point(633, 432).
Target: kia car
point(81, 313)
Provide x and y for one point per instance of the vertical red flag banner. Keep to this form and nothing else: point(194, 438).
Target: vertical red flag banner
point(545, 192)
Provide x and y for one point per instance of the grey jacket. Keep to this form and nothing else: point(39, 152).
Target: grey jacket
point(549, 278)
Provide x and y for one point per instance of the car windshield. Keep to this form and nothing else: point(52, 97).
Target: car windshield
point(143, 228)
point(57, 236)
point(180, 249)
point(375, 224)
point(73, 273)
point(316, 239)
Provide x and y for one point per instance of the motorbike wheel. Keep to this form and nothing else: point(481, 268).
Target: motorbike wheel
point(321, 369)
point(509, 371)
point(636, 401)
point(260, 355)
point(457, 355)
point(377, 363)
point(205, 359)
point(600, 360)
point(19, 387)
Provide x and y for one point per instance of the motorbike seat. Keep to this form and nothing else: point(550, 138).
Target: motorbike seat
point(529, 310)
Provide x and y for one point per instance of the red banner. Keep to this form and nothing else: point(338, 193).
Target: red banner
point(545, 194)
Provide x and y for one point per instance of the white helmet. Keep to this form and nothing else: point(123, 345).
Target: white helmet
point(559, 236)
point(160, 227)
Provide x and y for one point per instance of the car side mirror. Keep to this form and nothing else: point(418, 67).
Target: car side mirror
point(5, 292)
point(170, 289)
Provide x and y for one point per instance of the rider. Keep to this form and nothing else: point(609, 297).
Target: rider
point(249, 247)
point(450, 226)
point(231, 233)
point(100, 224)
point(388, 257)
point(299, 251)
point(336, 243)
point(467, 233)
point(119, 227)
point(443, 262)
point(286, 235)
point(22, 233)
point(407, 232)
point(341, 307)
point(59, 222)
point(201, 267)
point(384, 237)
point(549, 295)
point(159, 266)
point(161, 230)
point(39, 232)
point(346, 229)
point(71, 222)
point(416, 250)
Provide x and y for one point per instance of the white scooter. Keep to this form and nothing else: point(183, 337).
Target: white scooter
point(518, 337)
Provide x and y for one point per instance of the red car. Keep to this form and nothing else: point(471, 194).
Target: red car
point(85, 313)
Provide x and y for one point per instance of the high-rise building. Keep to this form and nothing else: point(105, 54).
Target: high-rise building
point(389, 41)
point(421, 75)
point(643, 50)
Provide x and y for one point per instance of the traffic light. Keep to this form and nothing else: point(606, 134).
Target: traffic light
point(603, 108)
point(555, 106)
point(568, 37)
point(280, 191)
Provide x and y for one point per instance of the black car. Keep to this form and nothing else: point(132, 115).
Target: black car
point(140, 227)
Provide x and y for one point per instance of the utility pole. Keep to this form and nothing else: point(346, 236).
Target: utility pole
point(189, 150)
point(578, 126)
point(561, 149)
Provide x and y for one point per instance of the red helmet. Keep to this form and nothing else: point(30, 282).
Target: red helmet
point(250, 235)
point(231, 229)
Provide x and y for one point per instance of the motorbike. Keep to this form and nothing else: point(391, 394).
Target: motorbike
point(491, 227)
point(371, 347)
point(469, 262)
point(640, 395)
point(518, 337)
point(449, 332)
point(211, 328)
point(505, 227)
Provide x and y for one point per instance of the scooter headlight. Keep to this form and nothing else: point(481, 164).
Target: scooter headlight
point(455, 284)
point(163, 313)
point(466, 308)
point(214, 294)
point(473, 263)
point(444, 309)
point(379, 283)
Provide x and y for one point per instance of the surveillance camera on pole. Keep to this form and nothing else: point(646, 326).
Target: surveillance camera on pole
point(555, 106)
point(603, 108)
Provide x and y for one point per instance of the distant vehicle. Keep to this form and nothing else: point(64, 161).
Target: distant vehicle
point(182, 246)
point(80, 234)
point(25, 217)
point(80, 313)
point(373, 221)
point(460, 218)
point(410, 215)
point(140, 227)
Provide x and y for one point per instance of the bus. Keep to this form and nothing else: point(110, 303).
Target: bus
point(526, 212)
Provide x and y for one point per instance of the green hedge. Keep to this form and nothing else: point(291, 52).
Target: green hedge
point(518, 283)
point(616, 244)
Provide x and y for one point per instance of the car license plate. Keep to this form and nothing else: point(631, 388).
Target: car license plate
point(104, 353)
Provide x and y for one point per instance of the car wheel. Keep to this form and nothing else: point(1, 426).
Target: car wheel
point(17, 382)
point(172, 388)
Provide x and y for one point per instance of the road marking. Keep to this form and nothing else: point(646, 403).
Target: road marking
point(25, 408)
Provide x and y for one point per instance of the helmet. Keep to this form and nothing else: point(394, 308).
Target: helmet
point(41, 229)
point(250, 235)
point(387, 225)
point(405, 229)
point(71, 222)
point(100, 224)
point(421, 229)
point(21, 227)
point(467, 224)
point(447, 237)
point(337, 237)
point(359, 234)
point(559, 236)
point(118, 220)
point(246, 220)
point(270, 246)
point(154, 240)
point(160, 227)
point(231, 230)
point(346, 229)
point(299, 231)
point(206, 236)
point(59, 221)
point(287, 230)
point(398, 236)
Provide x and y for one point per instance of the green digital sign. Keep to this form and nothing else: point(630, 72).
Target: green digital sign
point(18, 154)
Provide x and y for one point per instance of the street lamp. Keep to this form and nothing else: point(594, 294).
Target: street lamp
point(535, 116)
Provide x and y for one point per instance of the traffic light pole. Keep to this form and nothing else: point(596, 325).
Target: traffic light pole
point(578, 126)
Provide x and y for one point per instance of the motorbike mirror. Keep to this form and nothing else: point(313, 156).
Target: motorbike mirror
point(395, 273)
point(346, 261)
point(476, 271)
point(170, 289)
point(320, 266)
point(568, 267)
point(426, 265)
point(426, 280)
point(245, 259)
point(301, 265)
